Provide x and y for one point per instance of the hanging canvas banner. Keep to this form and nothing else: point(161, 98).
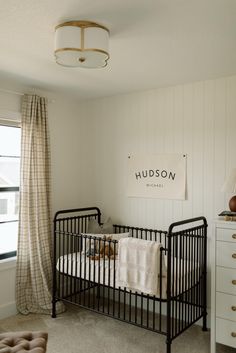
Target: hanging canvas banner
point(161, 176)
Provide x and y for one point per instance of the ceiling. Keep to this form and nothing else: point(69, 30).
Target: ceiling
point(153, 43)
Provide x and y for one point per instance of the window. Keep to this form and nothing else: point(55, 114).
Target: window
point(9, 189)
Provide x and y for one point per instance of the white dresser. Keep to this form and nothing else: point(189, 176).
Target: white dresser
point(223, 286)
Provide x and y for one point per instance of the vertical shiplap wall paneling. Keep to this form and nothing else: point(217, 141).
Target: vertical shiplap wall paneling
point(227, 136)
point(197, 148)
point(106, 150)
point(198, 119)
point(149, 149)
point(188, 147)
point(153, 131)
point(209, 155)
point(137, 147)
point(178, 139)
point(129, 116)
point(148, 138)
point(159, 98)
point(142, 146)
point(122, 151)
point(96, 136)
point(168, 144)
point(129, 123)
point(231, 129)
point(220, 143)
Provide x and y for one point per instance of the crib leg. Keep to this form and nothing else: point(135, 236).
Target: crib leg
point(54, 309)
point(168, 346)
point(204, 325)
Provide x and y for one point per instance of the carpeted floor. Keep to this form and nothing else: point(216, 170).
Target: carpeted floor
point(80, 331)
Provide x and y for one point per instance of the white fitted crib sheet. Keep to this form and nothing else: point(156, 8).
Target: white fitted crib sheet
point(105, 271)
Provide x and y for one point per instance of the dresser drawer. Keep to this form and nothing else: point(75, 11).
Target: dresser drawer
point(226, 254)
point(224, 280)
point(224, 234)
point(226, 306)
point(225, 330)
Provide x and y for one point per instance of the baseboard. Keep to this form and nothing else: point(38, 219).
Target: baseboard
point(8, 309)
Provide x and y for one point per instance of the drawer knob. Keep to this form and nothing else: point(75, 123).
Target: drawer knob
point(233, 308)
point(233, 334)
point(234, 256)
point(234, 236)
point(234, 282)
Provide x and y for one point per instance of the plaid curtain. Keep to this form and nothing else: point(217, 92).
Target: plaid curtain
point(34, 257)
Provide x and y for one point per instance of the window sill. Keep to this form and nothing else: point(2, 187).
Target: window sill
point(7, 263)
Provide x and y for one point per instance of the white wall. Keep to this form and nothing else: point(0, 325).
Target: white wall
point(70, 155)
point(70, 171)
point(198, 119)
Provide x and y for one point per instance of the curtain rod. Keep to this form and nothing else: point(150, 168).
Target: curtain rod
point(20, 94)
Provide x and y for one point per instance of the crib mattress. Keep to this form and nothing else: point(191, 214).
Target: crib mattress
point(104, 272)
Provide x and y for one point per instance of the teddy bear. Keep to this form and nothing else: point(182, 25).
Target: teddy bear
point(104, 251)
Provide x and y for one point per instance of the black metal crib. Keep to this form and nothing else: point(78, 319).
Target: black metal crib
point(91, 284)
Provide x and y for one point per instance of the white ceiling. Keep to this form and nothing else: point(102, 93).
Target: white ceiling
point(153, 43)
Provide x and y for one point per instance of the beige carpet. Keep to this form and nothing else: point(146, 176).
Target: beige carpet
point(80, 331)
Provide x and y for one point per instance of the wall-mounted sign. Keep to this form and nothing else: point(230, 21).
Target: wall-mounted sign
point(161, 176)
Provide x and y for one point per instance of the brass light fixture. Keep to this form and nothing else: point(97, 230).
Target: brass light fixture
point(81, 44)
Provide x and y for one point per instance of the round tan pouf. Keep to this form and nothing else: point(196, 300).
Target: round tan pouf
point(22, 342)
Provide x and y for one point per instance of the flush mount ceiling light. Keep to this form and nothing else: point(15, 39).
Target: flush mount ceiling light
point(81, 44)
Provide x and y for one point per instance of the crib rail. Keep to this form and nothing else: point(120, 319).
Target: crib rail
point(91, 283)
point(143, 233)
point(87, 278)
point(187, 275)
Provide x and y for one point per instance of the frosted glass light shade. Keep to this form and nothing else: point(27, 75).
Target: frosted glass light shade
point(81, 44)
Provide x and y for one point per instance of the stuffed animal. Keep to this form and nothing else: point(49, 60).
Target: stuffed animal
point(104, 252)
point(91, 252)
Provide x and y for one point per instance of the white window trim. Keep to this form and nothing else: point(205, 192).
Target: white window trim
point(9, 118)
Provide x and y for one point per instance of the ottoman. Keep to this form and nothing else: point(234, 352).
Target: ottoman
point(23, 342)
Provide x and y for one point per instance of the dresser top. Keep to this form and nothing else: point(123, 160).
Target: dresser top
point(220, 223)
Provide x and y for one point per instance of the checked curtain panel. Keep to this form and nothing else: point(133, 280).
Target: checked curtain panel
point(34, 253)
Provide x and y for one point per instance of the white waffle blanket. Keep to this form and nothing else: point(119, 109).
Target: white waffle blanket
point(139, 265)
